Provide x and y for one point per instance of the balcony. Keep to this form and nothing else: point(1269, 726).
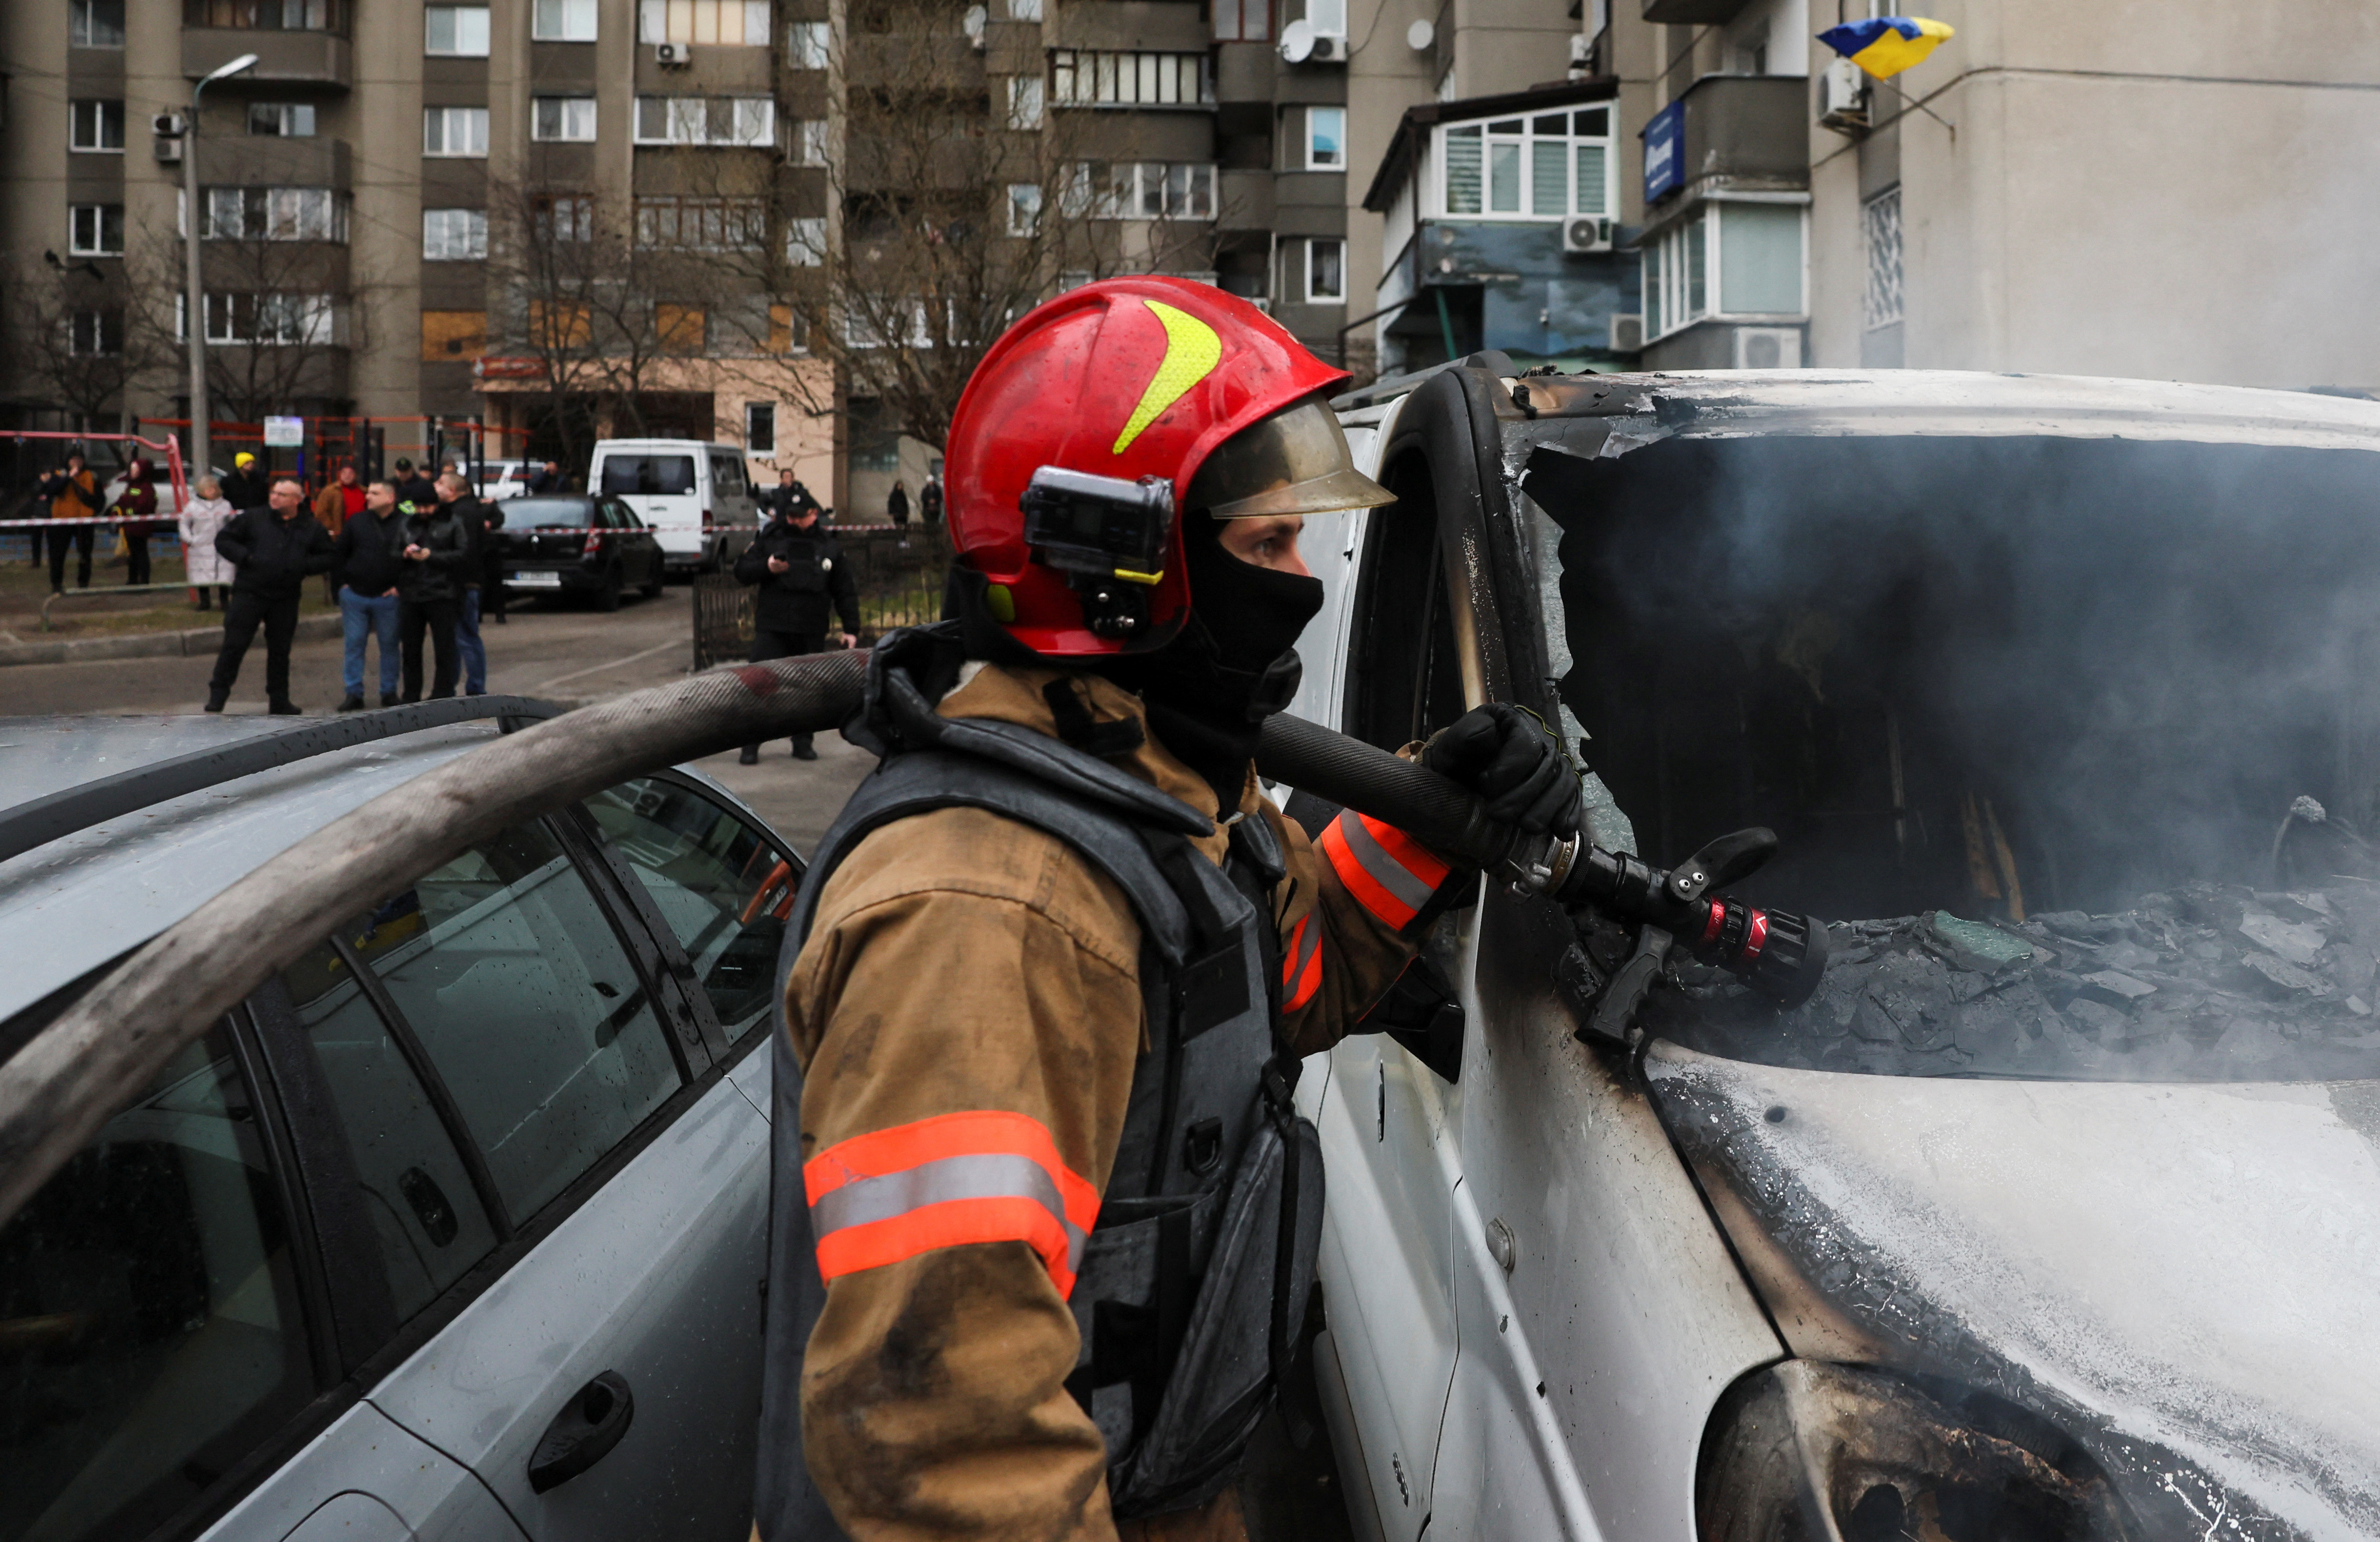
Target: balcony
point(264, 161)
point(318, 59)
point(1692, 12)
point(1746, 132)
point(1132, 24)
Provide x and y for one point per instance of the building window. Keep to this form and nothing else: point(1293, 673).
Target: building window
point(562, 21)
point(1546, 166)
point(454, 131)
point(1326, 138)
point(1326, 271)
point(1102, 77)
point(1025, 100)
point(95, 126)
point(454, 235)
point(275, 215)
point(271, 15)
point(1024, 10)
point(1023, 209)
point(760, 428)
point(447, 335)
point(808, 44)
point(459, 31)
point(562, 217)
point(808, 141)
point(563, 119)
point(806, 243)
point(283, 120)
point(701, 224)
point(1329, 17)
point(562, 325)
point(707, 120)
point(286, 320)
point(679, 329)
point(96, 334)
point(95, 24)
point(1881, 230)
point(95, 230)
point(1243, 20)
point(1731, 259)
point(733, 22)
point(1140, 191)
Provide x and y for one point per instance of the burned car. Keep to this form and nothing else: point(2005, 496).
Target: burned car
point(2051, 1213)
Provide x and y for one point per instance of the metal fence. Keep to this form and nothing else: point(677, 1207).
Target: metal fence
point(899, 574)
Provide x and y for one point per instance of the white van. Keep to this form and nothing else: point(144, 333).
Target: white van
point(697, 497)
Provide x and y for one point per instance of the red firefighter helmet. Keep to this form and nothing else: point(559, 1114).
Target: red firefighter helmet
point(1106, 402)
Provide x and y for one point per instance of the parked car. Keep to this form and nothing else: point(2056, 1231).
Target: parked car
point(453, 1230)
point(500, 479)
point(697, 497)
point(2050, 1216)
point(592, 548)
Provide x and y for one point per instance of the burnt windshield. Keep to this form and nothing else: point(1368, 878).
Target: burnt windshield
point(2076, 741)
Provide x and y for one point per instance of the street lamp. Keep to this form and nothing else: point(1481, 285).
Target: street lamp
point(194, 320)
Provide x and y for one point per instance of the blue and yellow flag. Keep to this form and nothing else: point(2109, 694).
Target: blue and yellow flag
point(1888, 45)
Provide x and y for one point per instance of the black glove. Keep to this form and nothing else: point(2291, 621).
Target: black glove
point(1516, 765)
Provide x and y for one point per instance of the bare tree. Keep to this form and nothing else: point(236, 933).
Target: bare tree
point(958, 195)
point(77, 341)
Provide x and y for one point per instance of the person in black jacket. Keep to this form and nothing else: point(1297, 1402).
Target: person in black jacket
point(369, 559)
point(275, 549)
point(412, 487)
point(789, 498)
point(437, 555)
point(930, 499)
point(801, 574)
point(480, 596)
point(246, 487)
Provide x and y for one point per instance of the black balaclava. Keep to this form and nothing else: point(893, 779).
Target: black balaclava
point(1234, 663)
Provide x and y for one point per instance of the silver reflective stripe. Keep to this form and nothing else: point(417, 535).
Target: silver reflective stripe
point(973, 1177)
point(1392, 874)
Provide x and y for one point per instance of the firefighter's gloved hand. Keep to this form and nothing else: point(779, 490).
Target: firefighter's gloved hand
point(1516, 765)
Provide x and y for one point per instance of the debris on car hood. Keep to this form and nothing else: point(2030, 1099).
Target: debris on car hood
point(2179, 1276)
point(2208, 982)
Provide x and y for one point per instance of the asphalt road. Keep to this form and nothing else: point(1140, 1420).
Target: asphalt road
point(575, 655)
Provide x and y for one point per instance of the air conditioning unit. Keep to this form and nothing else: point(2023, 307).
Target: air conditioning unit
point(1627, 331)
point(672, 53)
point(166, 125)
point(1583, 233)
point(1842, 97)
point(169, 152)
point(1330, 48)
point(1581, 46)
point(1768, 347)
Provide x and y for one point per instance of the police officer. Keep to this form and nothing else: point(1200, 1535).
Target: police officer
point(1044, 1214)
point(801, 574)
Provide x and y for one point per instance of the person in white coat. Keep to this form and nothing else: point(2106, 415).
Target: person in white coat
point(202, 516)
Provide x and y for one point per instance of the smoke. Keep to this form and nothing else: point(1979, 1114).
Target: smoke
point(1993, 676)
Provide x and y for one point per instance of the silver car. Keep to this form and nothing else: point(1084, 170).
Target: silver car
point(455, 1228)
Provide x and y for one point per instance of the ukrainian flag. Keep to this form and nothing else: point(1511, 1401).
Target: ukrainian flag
point(1886, 45)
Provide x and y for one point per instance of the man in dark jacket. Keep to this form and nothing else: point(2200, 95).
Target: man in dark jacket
point(930, 499)
point(479, 595)
point(370, 558)
point(437, 555)
point(801, 574)
point(72, 493)
point(789, 498)
point(412, 487)
point(246, 487)
point(274, 548)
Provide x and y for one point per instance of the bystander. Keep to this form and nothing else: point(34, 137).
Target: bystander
point(437, 554)
point(73, 494)
point(475, 517)
point(135, 513)
point(800, 574)
point(369, 560)
point(245, 487)
point(202, 520)
point(930, 499)
point(275, 548)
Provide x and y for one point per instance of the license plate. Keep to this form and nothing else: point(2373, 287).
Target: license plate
point(535, 580)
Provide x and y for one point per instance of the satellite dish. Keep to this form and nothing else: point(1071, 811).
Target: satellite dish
point(1297, 41)
point(1420, 35)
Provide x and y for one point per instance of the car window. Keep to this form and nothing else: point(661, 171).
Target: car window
point(551, 514)
point(727, 476)
point(648, 474)
point(723, 888)
point(150, 1327)
point(626, 517)
point(425, 1214)
point(513, 980)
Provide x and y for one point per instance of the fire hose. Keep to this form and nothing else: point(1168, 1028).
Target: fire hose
point(70, 1077)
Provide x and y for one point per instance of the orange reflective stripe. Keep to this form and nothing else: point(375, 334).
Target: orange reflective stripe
point(956, 1178)
point(1301, 964)
point(1390, 874)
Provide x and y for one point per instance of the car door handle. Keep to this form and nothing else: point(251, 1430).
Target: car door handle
point(589, 1425)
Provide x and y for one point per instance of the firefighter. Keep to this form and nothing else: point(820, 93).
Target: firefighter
point(1044, 1216)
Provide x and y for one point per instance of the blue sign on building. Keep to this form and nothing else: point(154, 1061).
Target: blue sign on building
point(1665, 152)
